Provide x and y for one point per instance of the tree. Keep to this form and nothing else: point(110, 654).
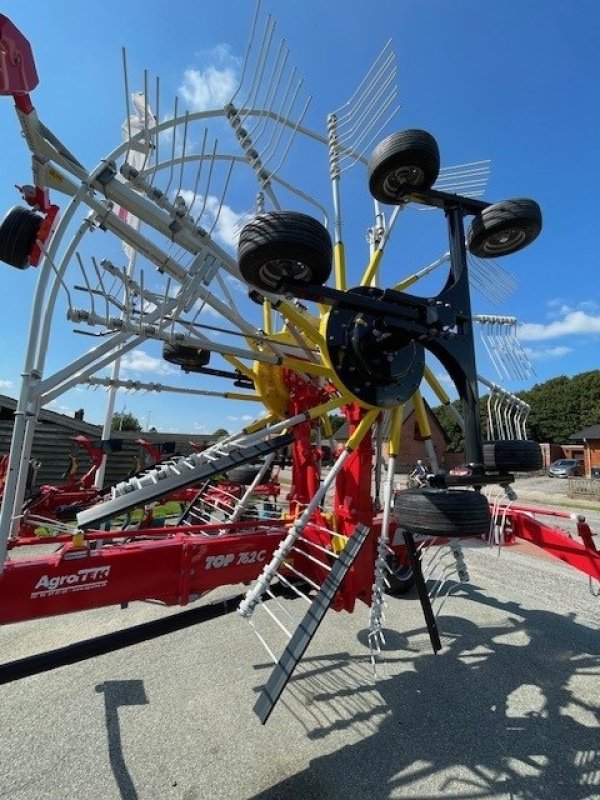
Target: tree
point(220, 432)
point(560, 407)
point(337, 420)
point(125, 422)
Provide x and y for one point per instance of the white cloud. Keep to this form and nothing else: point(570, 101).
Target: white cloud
point(60, 408)
point(140, 362)
point(213, 86)
point(572, 323)
point(220, 219)
point(5, 384)
point(237, 284)
point(546, 353)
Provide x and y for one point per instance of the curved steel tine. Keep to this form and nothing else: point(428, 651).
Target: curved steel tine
point(249, 45)
point(127, 106)
point(86, 281)
point(174, 137)
point(265, 45)
point(103, 288)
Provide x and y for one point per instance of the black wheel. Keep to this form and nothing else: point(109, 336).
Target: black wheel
point(504, 228)
point(18, 232)
point(400, 578)
point(442, 512)
point(405, 162)
point(256, 297)
point(243, 474)
point(512, 455)
point(185, 356)
point(284, 246)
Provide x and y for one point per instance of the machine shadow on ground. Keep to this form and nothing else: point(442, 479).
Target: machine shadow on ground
point(474, 721)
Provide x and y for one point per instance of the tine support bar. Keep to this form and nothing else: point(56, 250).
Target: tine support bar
point(304, 633)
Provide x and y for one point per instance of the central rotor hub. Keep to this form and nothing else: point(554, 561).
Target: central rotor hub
point(380, 368)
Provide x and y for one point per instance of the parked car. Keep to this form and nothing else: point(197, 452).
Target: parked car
point(565, 468)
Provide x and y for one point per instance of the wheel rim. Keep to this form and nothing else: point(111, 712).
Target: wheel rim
point(505, 241)
point(398, 180)
point(274, 272)
point(400, 571)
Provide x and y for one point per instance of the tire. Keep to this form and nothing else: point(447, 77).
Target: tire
point(185, 356)
point(504, 228)
point(403, 163)
point(243, 474)
point(284, 246)
point(401, 578)
point(442, 512)
point(512, 455)
point(18, 232)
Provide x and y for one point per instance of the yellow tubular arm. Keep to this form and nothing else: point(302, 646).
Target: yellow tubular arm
point(261, 423)
point(306, 366)
point(305, 325)
point(339, 264)
point(325, 408)
point(327, 429)
point(239, 396)
point(396, 430)
point(400, 287)
point(241, 367)
point(267, 317)
point(436, 386)
point(371, 268)
point(363, 426)
point(422, 420)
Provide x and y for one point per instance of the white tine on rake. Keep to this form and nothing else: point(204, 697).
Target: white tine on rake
point(504, 349)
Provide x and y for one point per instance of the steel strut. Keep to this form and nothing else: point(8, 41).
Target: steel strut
point(415, 563)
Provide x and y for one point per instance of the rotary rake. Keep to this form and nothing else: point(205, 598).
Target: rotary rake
point(168, 194)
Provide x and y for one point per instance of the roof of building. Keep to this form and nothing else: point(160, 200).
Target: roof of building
point(53, 417)
point(95, 431)
point(591, 432)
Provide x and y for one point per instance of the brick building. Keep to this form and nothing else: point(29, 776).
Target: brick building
point(590, 439)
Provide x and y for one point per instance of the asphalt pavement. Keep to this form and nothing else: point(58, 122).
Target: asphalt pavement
point(509, 709)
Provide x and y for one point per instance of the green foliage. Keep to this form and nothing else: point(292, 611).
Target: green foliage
point(560, 407)
point(563, 406)
point(220, 432)
point(125, 422)
point(455, 442)
point(337, 420)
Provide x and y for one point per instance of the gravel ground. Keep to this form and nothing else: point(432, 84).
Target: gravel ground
point(510, 708)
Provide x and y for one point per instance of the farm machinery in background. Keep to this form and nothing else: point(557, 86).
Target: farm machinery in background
point(346, 345)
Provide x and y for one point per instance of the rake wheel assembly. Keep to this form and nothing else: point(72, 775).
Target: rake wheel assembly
point(405, 162)
point(442, 512)
point(284, 247)
point(18, 234)
point(318, 349)
point(185, 356)
point(517, 455)
point(504, 228)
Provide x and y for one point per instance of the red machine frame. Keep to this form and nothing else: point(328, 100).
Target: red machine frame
point(175, 565)
point(178, 564)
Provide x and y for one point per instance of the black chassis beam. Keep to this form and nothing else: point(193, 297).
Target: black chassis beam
point(442, 324)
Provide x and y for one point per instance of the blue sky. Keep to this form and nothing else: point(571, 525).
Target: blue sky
point(512, 82)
